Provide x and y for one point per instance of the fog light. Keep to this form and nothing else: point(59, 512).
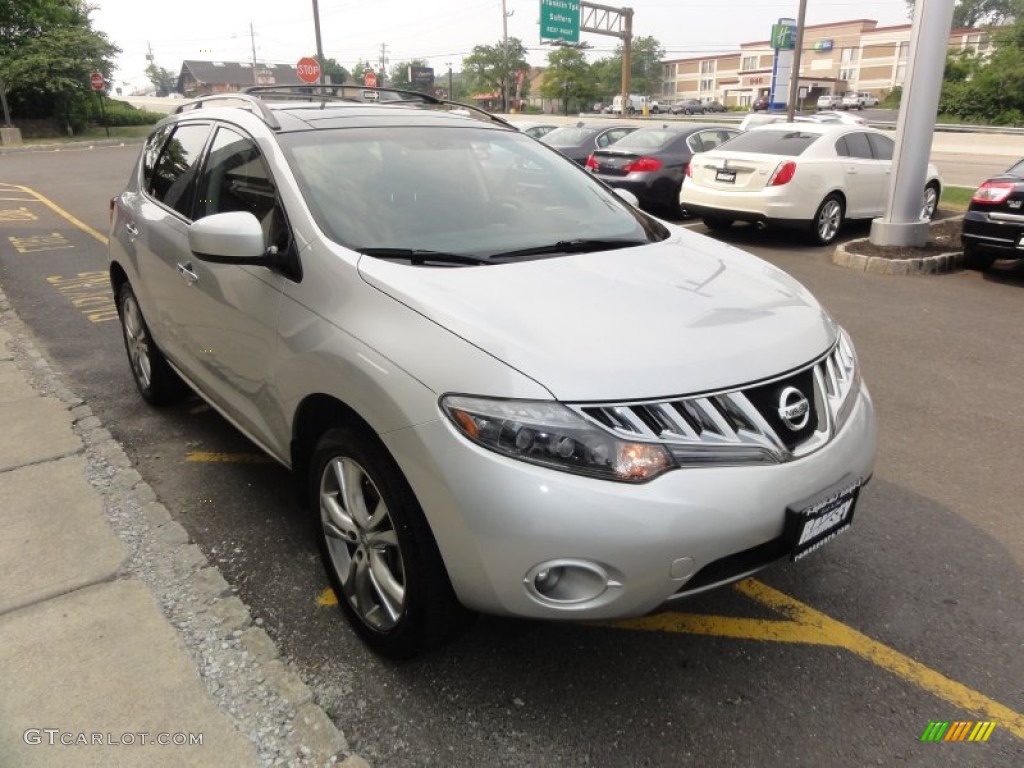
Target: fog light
point(547, 579)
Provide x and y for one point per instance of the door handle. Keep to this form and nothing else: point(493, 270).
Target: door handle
point(132, 229)
point(185, 270)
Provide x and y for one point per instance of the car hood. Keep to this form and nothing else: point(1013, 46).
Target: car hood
point(685, 315)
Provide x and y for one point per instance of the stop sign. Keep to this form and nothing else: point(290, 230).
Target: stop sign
point(96, 78)
point(308, 69)
point(370, 79)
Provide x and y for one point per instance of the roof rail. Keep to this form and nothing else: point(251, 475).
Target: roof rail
point(264, 110)
point(359, 93)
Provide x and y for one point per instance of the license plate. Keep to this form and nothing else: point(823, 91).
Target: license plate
point(812, 526)
point(729, 177)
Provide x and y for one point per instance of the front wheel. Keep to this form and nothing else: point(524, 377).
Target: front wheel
point(380, 555)
point(827, 221)
point(930, 202)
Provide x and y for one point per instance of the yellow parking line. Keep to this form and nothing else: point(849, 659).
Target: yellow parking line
point(806, 625)
point(61, 212)
point(227, 458)
point(327, 597)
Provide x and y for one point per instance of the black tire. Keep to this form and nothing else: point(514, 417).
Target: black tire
point(930, 201)
point(828, 220)
point(156, 380)
point(408, 606)
point(717, 223)
point(974, 259)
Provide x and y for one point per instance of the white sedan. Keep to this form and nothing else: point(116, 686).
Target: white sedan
point(805, 175)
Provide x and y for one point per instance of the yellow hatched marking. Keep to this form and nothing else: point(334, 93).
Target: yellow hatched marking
point(54, 241)
point(806, 625)
point(17, 214)
point(89, 292)
point(36, 197)
point(227, 458)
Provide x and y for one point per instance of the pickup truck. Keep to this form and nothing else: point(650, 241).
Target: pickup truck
point(854, 100)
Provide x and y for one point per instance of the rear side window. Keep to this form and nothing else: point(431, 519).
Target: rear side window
point(771, 142)
point(151, 152)
point(854, 145)
point(174, 175)
point(882, 146)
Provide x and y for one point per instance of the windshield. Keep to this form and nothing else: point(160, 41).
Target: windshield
point(467, 191)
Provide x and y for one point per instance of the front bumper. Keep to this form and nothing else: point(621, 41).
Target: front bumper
point(499, 521)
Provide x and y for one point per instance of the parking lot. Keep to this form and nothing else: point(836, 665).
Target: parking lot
point(844, 658)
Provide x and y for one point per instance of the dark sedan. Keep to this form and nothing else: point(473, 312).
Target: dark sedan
point(993, 226)
point(651, 162)
point(577, 141)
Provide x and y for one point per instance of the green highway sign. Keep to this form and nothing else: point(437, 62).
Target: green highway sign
point(560, 20)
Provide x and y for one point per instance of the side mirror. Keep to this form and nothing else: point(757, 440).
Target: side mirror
point(228, 238)
point(628, 196)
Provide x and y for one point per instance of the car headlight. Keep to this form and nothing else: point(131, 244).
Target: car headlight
point(843, 378)
point(549, 434)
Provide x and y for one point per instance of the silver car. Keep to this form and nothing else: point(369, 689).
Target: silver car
point(505, 388)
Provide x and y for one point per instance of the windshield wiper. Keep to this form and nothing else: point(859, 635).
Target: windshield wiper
point(417, 256)
point(572, 246)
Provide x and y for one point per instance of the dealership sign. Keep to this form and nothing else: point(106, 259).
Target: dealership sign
point(823, 46)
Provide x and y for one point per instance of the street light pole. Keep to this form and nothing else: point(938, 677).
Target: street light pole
point(451, 93)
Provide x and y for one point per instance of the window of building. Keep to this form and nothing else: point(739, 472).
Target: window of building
point(707, 83)
point(750, 62)
point(707, 67)
point(848, 63)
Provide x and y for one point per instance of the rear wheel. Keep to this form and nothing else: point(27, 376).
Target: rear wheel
point(827, 221)
point(156, 381)
point(973, 259)
point(380, 555)
point(717, 223)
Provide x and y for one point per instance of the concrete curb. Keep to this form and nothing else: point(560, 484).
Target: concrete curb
point(236, 660)
point(936, 264)
point(70, 145)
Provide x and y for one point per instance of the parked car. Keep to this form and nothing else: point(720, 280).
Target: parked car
point(688, 107)
point(858, 100)
point(812, 176)
point(502, 388)
point(577, 141)
point(761, 103)
point(534, 129)
point(993, 227)
point(714, 106)
point(651, 162)
point(832, 116)
point(830, 101)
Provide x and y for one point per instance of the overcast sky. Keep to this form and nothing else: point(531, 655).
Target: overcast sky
point(439, 31)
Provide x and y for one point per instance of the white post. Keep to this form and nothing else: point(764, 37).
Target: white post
point(929, 40)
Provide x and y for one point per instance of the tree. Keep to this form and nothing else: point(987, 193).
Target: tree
point(987, 89)
point(360, 69)
point(568, 77)
point(335, 71)
point(973, 13)
point(645, 71)
point(492, 68)
point(163, 80)
point(400, 74)
point(47, 51)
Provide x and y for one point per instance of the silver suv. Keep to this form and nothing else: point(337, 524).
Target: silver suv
point(504, 387)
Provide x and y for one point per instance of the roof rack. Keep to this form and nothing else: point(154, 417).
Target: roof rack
point(264, 110)
point(358, 93)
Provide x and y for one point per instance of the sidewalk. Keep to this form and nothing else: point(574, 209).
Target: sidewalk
point(115, 634)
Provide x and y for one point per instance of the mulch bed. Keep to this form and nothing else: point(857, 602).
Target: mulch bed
point(944, 237)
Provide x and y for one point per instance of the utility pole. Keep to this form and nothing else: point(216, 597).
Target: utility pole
point(504, 52)
point(451, 94)
point(627, 57)
point(383, 79)
point(252, 38)
point(794, 75)
point(319, 44)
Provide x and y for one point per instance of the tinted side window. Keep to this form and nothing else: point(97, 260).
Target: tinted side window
point(174, 175)
point(882, 146)
point(151, 152)
point(858, 145)
point(841, 149)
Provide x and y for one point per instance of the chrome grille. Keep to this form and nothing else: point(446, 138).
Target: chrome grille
point(726, 427)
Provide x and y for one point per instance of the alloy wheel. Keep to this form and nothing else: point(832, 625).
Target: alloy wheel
point(362, 544)
point(829, 219)
point(929, 203)
point(137, 342)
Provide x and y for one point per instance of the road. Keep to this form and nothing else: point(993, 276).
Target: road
point(842, 659)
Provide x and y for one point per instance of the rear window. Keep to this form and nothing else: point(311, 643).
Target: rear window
point(569, 136)
point(771, 142)
point(647, 139)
